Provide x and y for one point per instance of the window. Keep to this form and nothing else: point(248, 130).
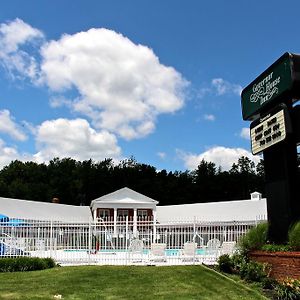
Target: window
point(123, 212)
point(104, 213)
point(142, 213)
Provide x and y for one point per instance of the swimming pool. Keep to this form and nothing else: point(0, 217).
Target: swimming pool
point(168, 252)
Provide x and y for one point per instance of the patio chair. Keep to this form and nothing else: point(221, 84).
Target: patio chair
point(135, 250)
point(228, 248)
point(157, 252)
point(189, 251)
point(213, 247)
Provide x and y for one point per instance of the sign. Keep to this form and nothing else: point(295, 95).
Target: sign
point(296, 123)
point(269, 130)
point(277, 83)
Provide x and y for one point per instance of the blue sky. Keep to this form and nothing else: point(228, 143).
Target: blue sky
point(157, 80)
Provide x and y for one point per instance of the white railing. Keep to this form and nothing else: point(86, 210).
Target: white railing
point(104, 241)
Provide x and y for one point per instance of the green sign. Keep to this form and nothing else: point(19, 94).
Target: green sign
point(272, 85)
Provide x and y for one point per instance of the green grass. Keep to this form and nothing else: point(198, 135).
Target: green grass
point(113, 282)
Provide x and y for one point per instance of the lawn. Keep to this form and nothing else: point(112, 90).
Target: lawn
point(114, 282)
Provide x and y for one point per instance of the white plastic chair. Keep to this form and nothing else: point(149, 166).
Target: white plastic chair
point(135, 250)
point(213, 247)
point(157, 252)
point(228, 248)
point(189, 251)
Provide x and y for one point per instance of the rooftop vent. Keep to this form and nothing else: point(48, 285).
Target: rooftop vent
point(256, 196)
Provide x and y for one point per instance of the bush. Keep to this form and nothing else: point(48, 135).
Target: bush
point(294, 237)
point(225, 263)
point(50, 263)
point(254, 239)
point(238, 260)
point(289, 289)
point(276, 248)
point(254, 271)
point(23, 264)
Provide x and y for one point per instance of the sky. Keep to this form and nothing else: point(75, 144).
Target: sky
point(159, 81)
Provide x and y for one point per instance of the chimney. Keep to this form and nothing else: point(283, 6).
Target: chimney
point(55, 200)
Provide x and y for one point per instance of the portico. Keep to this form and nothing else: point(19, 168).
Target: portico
point(124, 204)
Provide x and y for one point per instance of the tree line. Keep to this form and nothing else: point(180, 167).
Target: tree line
point(79, 182)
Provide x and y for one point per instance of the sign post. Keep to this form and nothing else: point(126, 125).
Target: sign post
point(268, 102)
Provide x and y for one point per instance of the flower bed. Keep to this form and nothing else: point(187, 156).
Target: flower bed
point(283, 264)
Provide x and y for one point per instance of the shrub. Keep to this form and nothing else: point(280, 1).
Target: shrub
point(254, 271)
point(50, 263)
point(268, 283)
point(22, 264)
point(289, 289)
point(238, 260)
point(225, 263)
point(254, 239)
point(294, 237)
point(276, 248)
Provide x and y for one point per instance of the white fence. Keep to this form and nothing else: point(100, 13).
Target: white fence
point(121, 242)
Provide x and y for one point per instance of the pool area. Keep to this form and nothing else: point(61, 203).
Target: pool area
point(122, 257)
point(91, 243)
point(168, 252)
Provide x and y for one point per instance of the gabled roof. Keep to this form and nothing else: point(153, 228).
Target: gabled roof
point(124, 195)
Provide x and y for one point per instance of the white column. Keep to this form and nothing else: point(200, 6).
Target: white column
point(134, 222)
point(95, 214)
point(154, 226)
point(115, 221)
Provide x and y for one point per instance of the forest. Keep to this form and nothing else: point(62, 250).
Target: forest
point(79, 182)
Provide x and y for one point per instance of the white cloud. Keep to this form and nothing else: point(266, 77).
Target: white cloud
point(245, 133)
point(161, 155)
point(219, 87)
point(7, 154)
point(14, 35)
point(8, 126)
point(223, 87)
point(76, 139)
point(60, 101)
point(219, 155)
point(122, 86)
point(209, 117)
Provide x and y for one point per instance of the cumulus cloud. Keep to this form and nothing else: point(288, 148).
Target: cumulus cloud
point(245, 133)
point(122, 86)
point(221, 156)
point(7, 154)
point(74, 138)
point(10, 127)
point(14, 35)
point(209, 117)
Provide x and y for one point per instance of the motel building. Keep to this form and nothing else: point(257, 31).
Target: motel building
point(128, 204)
point(118, 226)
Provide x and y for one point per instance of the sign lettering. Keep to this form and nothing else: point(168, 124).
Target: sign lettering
point(276, 84)
point(268, 132)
